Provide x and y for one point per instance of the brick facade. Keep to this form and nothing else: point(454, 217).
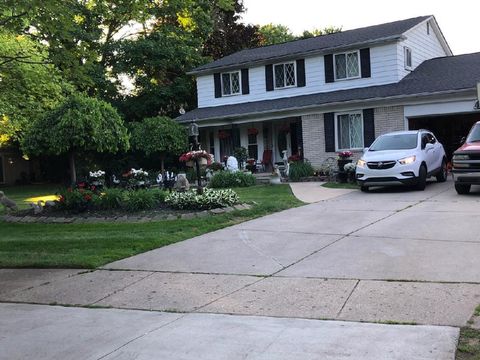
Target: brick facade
point(386, 119)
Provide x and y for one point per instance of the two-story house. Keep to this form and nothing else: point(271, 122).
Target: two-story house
point(318, 96)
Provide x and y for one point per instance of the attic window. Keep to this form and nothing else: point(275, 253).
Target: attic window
point(428, 28)
point(408, 58)
point(284, 75)
point(347, 65)
point(231, 83)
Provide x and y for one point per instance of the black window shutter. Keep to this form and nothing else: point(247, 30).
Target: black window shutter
point(365, 62)
point(328, 60)
point(218, 85)
point(301, 73)
point(329, 124)
point(269, 77)
point(368, 127)
point(245, 82)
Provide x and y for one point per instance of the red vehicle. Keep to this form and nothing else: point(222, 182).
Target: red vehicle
point(466, 162)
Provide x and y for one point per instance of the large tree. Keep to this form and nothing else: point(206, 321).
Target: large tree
point(275, 34)
point(29, 85)
point(81, 124)
point(161, 136)
point(229, 33)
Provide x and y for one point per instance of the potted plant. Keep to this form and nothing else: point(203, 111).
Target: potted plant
point(350, 170)
point(202, 156)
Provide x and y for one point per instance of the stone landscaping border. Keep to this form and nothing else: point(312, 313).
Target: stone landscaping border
point(123, 218)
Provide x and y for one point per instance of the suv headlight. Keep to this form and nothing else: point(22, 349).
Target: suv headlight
point(407, 160)
point(361, 163)
point(460, 157)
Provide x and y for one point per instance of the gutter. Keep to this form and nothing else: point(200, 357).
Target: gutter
point(333, 104)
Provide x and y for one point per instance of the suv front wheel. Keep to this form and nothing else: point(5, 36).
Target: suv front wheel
point(422, 178)
point(462, 189)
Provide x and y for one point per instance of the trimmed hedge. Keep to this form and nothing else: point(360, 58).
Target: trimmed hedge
point(299, 170)
point(227, 179)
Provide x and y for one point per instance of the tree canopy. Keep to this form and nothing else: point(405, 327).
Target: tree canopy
point(159, 135)
point(29, 85)
point(81, 124)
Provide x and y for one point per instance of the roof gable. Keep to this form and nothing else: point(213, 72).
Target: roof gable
point(323, 43)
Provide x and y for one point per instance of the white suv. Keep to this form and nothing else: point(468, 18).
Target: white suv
point(402, 158)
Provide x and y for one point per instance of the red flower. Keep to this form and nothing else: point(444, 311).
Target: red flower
point(69, 189)
point(295, 157)
point(61, 199)
point(252, 131)
point(93, 187)
point(87, 197)
point(81, 185)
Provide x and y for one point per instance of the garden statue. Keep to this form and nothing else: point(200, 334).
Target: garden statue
point(182, 184)
point(232, 164)
point(285, 162)
point(115, 181)
point(7, 203)
point(159, 178)
point(209, 174)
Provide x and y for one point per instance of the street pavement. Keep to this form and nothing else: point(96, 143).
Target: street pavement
point(298, 284)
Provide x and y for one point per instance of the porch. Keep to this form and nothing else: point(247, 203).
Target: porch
point(265, 141)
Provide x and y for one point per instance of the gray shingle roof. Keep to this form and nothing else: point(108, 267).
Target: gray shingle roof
point(325, 42)
point(437, 75)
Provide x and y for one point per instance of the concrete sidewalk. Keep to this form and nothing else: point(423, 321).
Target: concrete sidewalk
point(51, 333)
point(311, 192)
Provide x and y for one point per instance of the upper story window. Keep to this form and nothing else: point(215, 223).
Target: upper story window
point(231, 83)
point(349, 129)
point(347, 65)
point(284, 75)
point(408, 58)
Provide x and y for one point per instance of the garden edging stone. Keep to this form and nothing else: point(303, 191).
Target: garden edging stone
point(119, 219)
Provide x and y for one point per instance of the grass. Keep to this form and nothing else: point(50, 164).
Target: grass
point(335, 185)
point(93, 245)
point(468, 344)
point(22, 195)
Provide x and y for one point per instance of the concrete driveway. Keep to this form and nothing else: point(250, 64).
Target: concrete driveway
point(385, 256)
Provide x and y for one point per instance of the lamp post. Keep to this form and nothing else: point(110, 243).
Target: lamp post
point(193, 133)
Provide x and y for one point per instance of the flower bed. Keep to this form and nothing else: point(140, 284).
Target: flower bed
point(210, 199)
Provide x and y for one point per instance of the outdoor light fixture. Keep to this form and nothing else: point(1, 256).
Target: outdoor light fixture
point(193, 129)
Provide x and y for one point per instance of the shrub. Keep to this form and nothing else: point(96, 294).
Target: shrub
point(143, 199)
point(215, 166)
point(300, 170)
point(210, 199)
point(111, 199)
point(226, 179)
point(77, 199)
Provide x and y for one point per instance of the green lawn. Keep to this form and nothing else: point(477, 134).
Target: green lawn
point(21, 193)
point(93, 245)
point(335, 185)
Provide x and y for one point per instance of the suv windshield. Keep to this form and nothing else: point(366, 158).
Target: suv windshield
point(474, 134)
point(395, 142)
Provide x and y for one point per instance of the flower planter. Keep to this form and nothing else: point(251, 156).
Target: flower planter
point(341, 163)
point(275, 180)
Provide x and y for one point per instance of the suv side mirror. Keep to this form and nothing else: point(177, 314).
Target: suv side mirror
point(428, 146)
point(463, 139)
point(365, 150)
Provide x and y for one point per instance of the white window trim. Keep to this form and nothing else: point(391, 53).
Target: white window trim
point(335, 66)
point(405, 50)
point(294, 72)
point(239, 79)
point(337, 148)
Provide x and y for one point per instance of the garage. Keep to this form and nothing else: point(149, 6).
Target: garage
point(449, 129)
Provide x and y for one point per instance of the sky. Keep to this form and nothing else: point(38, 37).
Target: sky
point(458, 20)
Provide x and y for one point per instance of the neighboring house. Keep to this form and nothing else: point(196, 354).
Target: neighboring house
point(318, 96)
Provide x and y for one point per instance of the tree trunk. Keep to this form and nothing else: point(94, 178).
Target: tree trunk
point(162, 163)
point(73, 171)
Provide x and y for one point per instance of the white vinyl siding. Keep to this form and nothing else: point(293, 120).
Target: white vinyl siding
point(349, 131)
point(384, 70)
point(423, 46)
